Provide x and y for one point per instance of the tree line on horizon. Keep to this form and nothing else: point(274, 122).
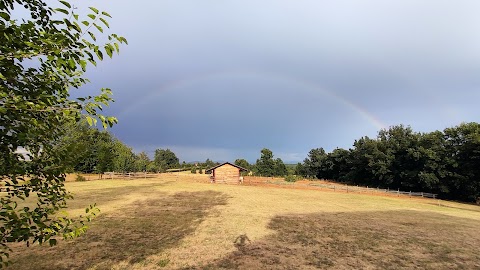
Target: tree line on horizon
point(444, 162)
point(98, 151)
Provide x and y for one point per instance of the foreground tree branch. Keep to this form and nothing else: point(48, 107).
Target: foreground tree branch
point(42, 58)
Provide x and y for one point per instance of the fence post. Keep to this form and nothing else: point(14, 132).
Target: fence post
point(347, 188)
point(410, 194)
point(398, 192)
point(333, 188)
point(422, 194)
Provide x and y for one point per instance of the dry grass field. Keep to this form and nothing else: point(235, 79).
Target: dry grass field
point(172, 222)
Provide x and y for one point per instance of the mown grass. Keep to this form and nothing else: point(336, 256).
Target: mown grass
point(361, 240)
point(172, 223)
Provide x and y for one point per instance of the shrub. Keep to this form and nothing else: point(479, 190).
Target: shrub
point(193, 170)
point(163, 262)
point(291, 178)
point(80, 178)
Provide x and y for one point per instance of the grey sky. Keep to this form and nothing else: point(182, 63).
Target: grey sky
point(287, 75)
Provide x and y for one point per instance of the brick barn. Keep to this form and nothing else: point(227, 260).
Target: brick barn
point(226, 173)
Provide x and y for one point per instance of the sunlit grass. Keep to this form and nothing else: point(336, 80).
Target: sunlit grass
point(138, 216)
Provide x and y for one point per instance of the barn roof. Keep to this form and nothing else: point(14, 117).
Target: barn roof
point(213, 168)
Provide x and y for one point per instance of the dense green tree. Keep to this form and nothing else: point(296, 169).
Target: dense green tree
point(95, 151)
point(300, 170)
point(124, 160)
point(280, 169)
point(243, 163)
point(42, 57)
point(440, 162)
point(462, 147)
point(91, 150)
point(428, 166)
point(369, 164)
point(338, 164)
point(104, 153)
point(400, 144)
point(77, 141)
point(315, 163)
point(209, 164)
point(142, 160)
point(165, 159)
point(265, 166)
point(151, 167)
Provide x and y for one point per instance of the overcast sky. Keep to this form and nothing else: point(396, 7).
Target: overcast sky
point(224, 79)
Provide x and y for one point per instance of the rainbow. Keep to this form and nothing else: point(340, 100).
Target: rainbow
point(301, 84)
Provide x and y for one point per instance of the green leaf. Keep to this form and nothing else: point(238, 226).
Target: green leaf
point(89, 120)
point(124, 40)
point(94, 9)
point(75, 16)
point(105, 22)
point(92, 16)
point(108, 49)
point(65, 3)
point(92, 36)
point(5, 16)
point(98, 27)
point(106, 14)
point(86, 23)
point(62, 10)
point(71, 63)
point(83, 64)
point(91, 60)
point(77, 27)
point(99, 54)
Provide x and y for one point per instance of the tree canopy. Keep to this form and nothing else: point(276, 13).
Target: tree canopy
point(242, 163)
point(267, 166)
point(165, 159)
point(42, 57)
point(440, 162)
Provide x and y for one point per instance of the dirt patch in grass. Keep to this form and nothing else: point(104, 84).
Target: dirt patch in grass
point(361, 240)
point(141, 229)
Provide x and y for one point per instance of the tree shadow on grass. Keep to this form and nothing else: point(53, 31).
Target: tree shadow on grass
point(138, 231)
point(361, 240)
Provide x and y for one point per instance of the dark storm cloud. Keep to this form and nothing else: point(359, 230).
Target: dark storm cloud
point(288, 75)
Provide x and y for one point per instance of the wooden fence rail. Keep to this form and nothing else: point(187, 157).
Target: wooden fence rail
point(357, 189)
